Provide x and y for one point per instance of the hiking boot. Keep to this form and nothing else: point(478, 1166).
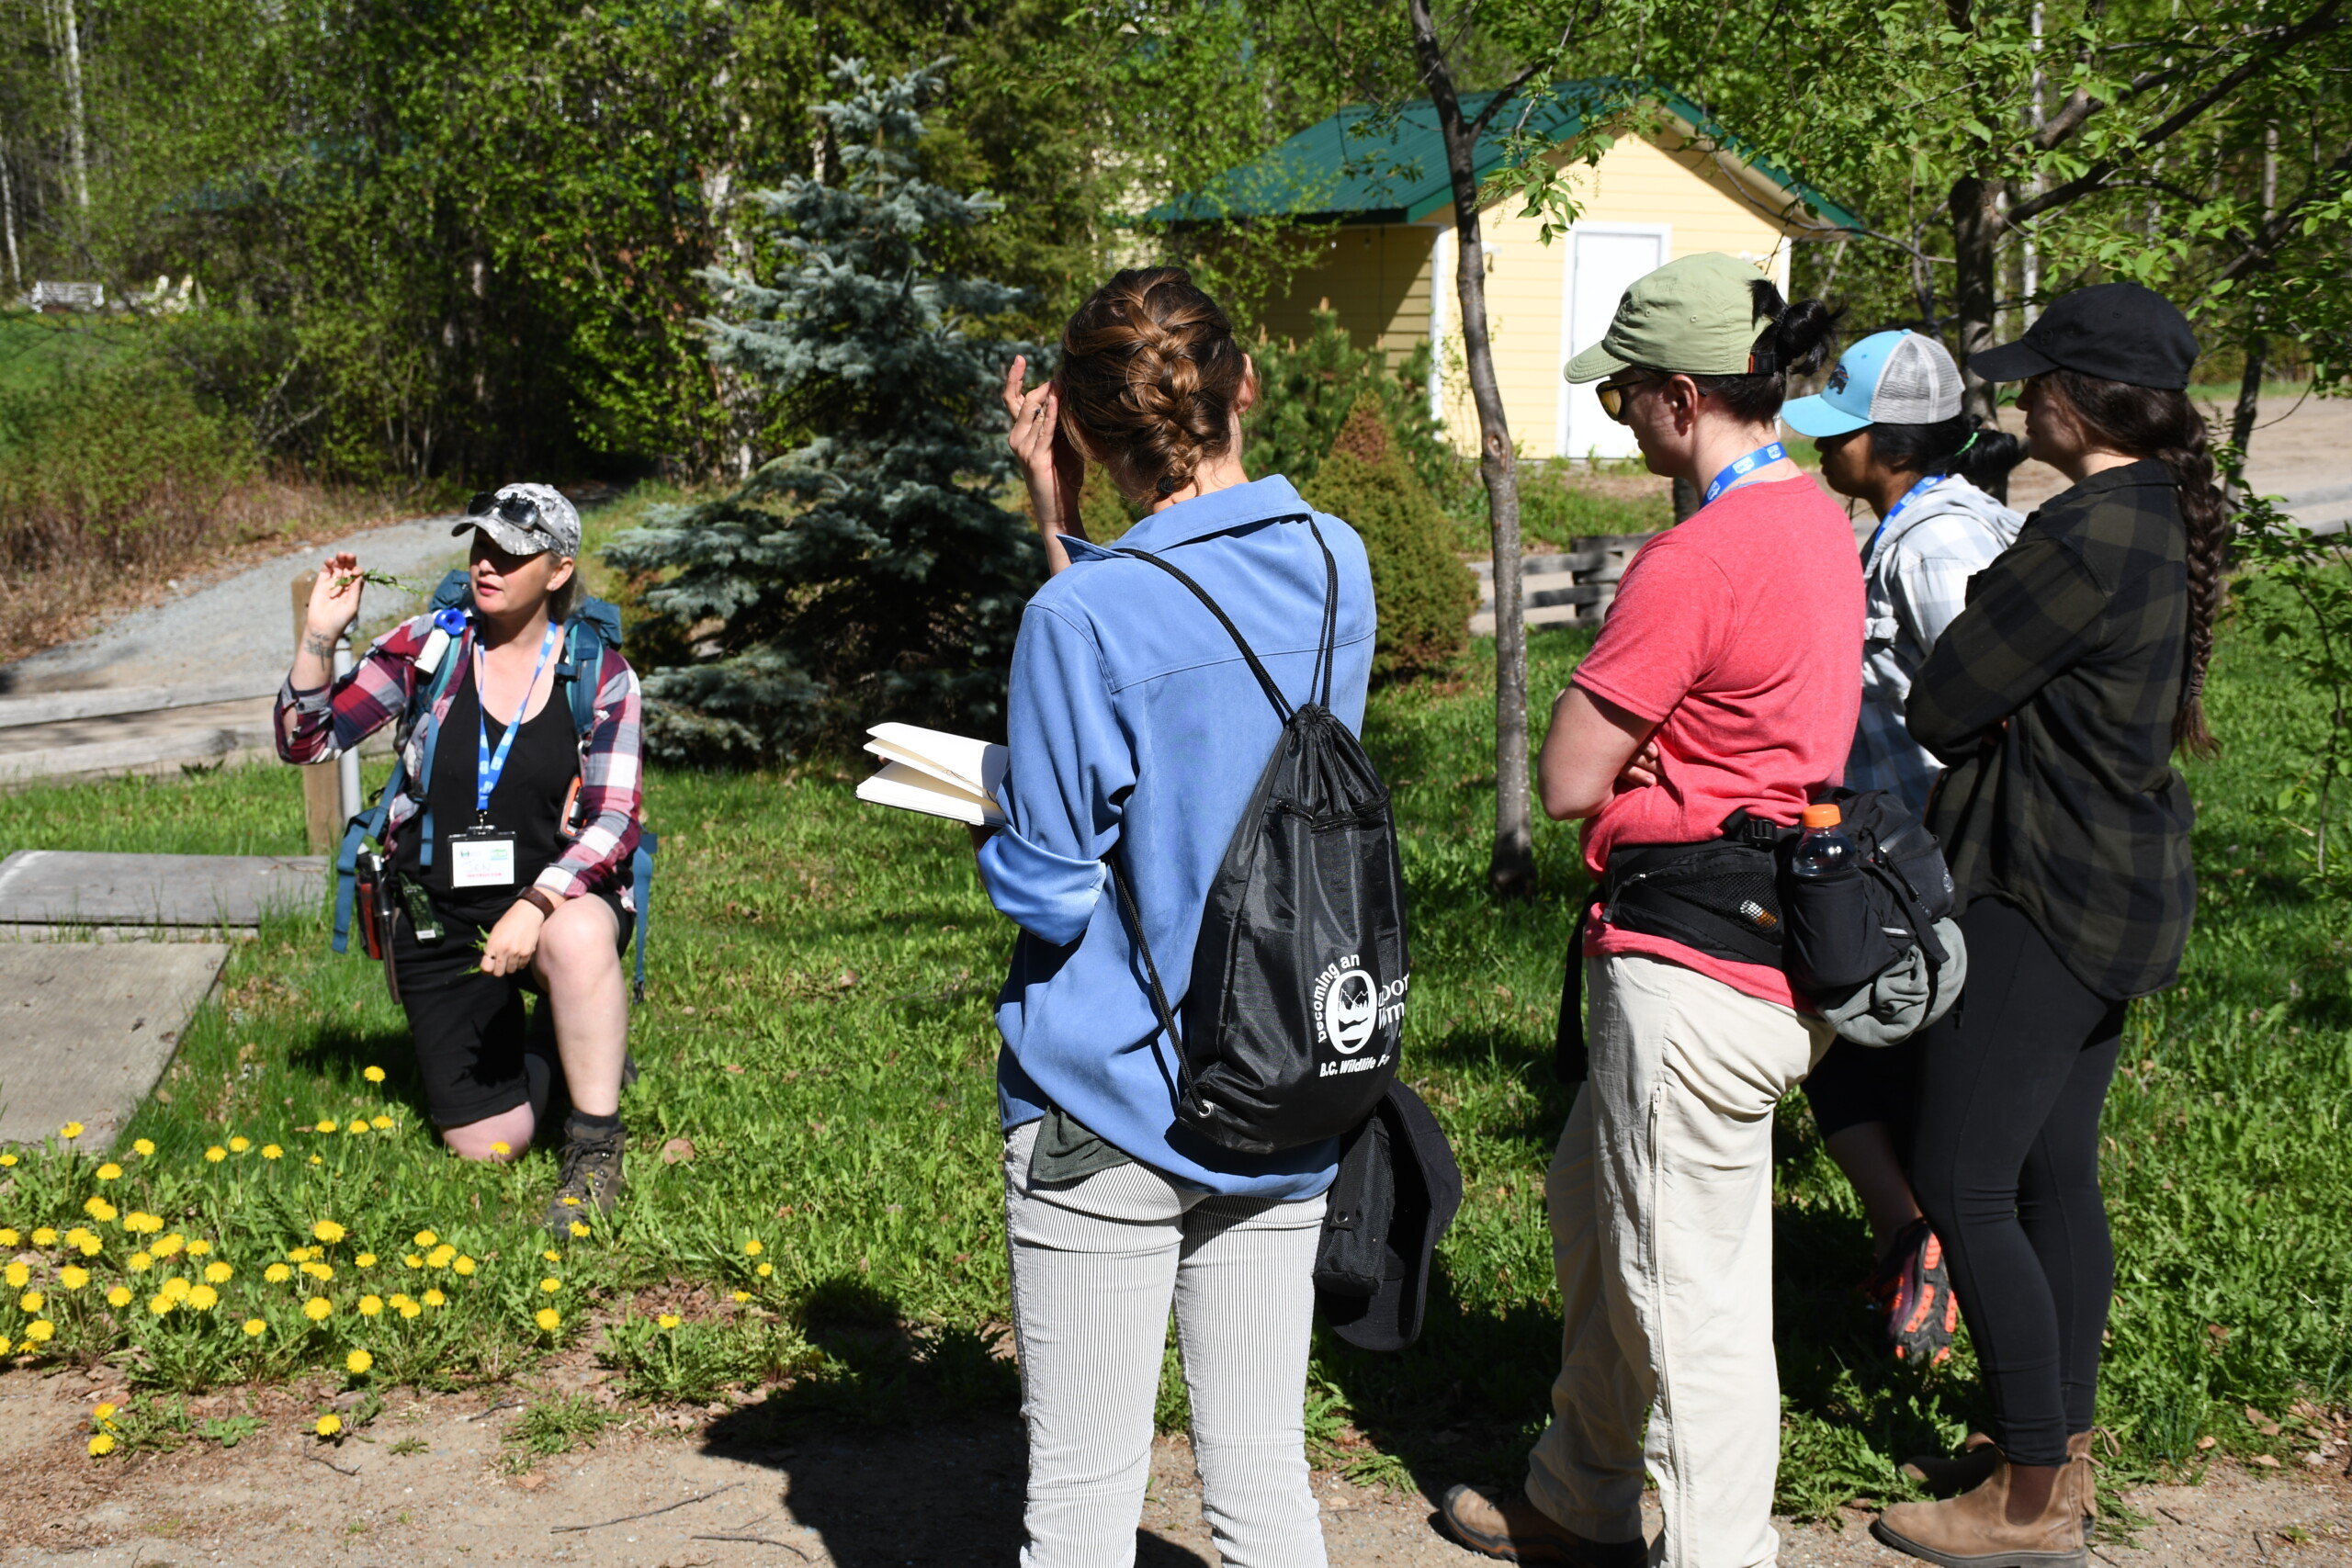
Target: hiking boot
point(1949, 1475)
point(1912, 1286)
point(1973, 1531)
point(2085, 1465)
point(1508, 1526)
point(591, 1179)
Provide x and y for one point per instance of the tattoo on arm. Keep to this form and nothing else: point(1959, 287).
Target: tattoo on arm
point(323, 646)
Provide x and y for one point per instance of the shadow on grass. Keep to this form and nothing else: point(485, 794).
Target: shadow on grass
point(911, 1448)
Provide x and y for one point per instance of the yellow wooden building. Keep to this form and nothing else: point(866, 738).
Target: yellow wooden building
point(1673, 183)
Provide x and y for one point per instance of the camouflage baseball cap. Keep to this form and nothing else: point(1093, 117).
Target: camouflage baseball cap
point(525, 520)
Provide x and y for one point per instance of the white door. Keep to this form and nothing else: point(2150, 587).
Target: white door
point(1602, 261)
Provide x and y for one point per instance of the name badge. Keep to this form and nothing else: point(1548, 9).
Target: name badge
point(482, 858)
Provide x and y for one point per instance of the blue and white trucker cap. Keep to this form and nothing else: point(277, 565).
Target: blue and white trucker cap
point(1896, 377)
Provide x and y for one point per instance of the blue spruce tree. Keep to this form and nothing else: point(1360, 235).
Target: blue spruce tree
point(871, 572)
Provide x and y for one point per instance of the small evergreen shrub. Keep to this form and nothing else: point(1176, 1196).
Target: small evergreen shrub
point(1307, 390)
point(1424, 592)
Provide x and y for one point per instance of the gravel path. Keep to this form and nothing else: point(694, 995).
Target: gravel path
point(239, 626)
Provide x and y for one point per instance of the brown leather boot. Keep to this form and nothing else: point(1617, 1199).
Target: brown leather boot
point(1974, 1530)
point(1508, 1526)
point(2083, 1466)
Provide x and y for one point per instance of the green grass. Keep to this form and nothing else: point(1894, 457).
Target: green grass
point(818, 1029)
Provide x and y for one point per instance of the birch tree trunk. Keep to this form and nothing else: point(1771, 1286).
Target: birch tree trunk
point(8, 220)
point(1510, 870)
point(77, 133)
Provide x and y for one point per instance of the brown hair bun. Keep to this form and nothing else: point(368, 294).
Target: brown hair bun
point(1149, 378)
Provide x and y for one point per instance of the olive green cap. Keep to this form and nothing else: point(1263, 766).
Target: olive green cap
point(1696, 316)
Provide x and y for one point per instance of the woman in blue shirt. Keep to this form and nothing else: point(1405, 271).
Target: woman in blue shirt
point(1133, 723)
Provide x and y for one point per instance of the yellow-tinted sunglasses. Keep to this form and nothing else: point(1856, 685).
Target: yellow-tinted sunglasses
point(1612, 395)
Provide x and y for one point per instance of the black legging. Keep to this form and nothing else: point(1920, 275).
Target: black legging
point(2005, 1164)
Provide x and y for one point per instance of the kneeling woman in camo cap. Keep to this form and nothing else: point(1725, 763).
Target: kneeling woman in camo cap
point(512, 852)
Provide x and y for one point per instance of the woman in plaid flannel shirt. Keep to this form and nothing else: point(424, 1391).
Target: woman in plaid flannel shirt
point(514, 861)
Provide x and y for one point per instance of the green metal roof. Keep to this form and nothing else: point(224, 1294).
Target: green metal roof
point(1351, 168)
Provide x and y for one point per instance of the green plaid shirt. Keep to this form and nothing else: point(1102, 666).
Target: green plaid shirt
point(2050, 699)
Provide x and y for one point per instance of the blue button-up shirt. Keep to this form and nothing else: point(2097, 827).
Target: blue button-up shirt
point(1135, 721)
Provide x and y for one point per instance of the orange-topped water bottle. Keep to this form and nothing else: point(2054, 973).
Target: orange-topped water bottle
point(1824, 849)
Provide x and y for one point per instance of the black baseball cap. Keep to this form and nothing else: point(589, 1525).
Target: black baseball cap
point(2117, 331)
point(1401, 1170)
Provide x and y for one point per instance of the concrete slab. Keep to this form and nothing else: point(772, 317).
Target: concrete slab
point(86, 1029)
point(70, 887)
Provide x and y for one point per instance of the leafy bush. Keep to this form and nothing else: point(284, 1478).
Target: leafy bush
point(1424, 592)
point(1305, 392)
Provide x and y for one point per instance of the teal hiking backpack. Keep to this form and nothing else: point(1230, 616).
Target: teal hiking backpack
point(594, 625)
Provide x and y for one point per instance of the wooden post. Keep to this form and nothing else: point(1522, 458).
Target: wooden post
point(322, 791)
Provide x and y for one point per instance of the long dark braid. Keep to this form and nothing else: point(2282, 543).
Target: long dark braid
point(2150, 421)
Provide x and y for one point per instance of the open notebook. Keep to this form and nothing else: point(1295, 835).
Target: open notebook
point(934, 772)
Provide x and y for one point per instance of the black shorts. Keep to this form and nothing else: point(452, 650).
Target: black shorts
point(472, 1029)
point(1854, 1083)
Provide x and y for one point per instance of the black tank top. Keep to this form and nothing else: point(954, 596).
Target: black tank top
point(527, 802)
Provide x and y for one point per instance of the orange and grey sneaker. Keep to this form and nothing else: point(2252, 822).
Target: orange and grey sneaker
point(1912, 1286)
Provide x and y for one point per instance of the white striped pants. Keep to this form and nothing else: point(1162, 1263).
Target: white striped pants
point(1095, 1267)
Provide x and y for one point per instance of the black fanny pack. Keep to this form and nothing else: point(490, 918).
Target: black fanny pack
point(1732, 898)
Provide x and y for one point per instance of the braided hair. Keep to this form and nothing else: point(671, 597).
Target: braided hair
point(1149, 378)
point(2152, 422)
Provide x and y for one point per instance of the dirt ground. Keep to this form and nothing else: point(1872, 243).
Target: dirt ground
point(428, 1483)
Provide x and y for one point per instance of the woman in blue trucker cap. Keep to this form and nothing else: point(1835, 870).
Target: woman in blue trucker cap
point(1891, 433)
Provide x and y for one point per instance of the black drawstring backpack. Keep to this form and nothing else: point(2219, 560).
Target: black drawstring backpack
point(1296, 1015)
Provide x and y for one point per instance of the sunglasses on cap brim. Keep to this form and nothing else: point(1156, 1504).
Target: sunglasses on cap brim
point(519, 510)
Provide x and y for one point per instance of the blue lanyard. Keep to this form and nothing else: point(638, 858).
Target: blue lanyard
point(488, 765)
point(1925, 483)
point(1743, 467)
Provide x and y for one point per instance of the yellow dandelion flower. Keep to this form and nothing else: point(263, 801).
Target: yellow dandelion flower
point(440, 1256)
point(142, 1222)
point(370, 1306)
point(240, 1144)
point(99, 1210)
point(358, 1125)
point(101, 1446)
point(552, 1255)
point(668, 1320)
point(71, 1130)
point(176, 1288)
point(316, 1160)
point(72, 1277)
point(271, 1151)
point(328, 1426)
point(30, 1301)
point(143, 1147)
point(162, 1301)
point(325, 1124)
point(501, 1148)
point(216, 1154)
point(318, 1271)
point(434, 1299)
point(578, 1229)
point(753, 1247)
point(203, 1298)
point(165, 1246)
point(412, 1260)
point(463, 1265)
point(298, 1255)
point(218, 1272)
point(38, 1331)
point(105, 1408)
point(45, 1236)
point(364, 1260)
point(410, 1309)
point(427, 1238)
point(109, 1172)
point(742, 1295)
point(550, 1284)
point(399, 1299)
point(4, 1347)
point(199, 1247)
point(6, 1160)
point(373, 1074)
point(90, 1247)
point(382, 1123)
point(256, 1329)
point(8, 1237)
point(547, 1318)
point(327, 1231)
point(278, 1273)
point(357, 1362)
point(139, 1263)
point(120, 1296)
point(317, 1309)
point(765, 1269)
point(570, 1202)
point(77, 1235)
point(18, 1275)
